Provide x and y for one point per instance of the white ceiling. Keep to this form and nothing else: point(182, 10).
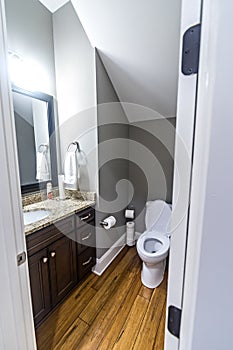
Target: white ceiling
point(139, 44)
point(53, 5)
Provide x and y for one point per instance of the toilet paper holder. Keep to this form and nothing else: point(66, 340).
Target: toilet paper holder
point(103, 223)
point(108, 222)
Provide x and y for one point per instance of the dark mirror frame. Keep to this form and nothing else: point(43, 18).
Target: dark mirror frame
point(52, 138)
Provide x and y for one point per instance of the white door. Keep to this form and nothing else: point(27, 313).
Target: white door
point(16, 320)
point(185, 123)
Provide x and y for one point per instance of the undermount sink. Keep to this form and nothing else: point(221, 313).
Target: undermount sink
point(29, 217)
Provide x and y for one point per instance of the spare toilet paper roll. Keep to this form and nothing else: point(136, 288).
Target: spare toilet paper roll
point(110, 221)
point(129, 213)
point(130, 230)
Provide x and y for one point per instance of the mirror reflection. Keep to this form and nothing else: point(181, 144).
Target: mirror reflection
point(34, 123)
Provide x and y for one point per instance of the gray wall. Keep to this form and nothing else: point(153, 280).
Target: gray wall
point(147, 150)
point(113, 133)
point(30, 34)
point(151, 149)
point(76, 95)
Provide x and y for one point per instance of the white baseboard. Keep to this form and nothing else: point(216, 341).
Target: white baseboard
point(105, 260)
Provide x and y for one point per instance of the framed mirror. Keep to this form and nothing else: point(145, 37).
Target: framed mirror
point(36, 140)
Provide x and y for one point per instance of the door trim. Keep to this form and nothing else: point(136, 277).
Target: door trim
point(186, 108)
point(16, 321)
point(200, 172)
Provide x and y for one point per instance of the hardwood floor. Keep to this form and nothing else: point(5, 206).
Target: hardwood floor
point(113, 311)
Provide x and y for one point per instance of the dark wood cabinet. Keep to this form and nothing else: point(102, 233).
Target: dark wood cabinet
point(63, 268)
point(86, 238)
point(39, 281)
point(86, 261)
point(59, 256)
point(52, 260)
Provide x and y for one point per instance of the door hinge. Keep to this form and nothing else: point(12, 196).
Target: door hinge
point(174, 318)
point(21, 258)
point(191, 50)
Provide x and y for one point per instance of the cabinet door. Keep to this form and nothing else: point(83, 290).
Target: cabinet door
point(63, 268)
point(39, 278)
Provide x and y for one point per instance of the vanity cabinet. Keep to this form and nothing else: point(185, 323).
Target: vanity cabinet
point(39, 281)
point(59, 256)
point(86, 239)
point(62, 267)
point(53, 274)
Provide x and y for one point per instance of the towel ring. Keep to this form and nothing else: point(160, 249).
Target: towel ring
point(75, 143)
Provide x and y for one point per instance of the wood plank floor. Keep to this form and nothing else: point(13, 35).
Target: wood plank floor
point(113, 311)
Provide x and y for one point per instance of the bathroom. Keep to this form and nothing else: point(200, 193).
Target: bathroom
point(128, 148)
point(107, 77)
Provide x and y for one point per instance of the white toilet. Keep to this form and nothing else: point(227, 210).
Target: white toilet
point(154, 243)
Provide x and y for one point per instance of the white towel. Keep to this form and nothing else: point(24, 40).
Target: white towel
point(42, 168)
point(71, 171)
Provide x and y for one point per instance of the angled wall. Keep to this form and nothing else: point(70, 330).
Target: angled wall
point(139, 45)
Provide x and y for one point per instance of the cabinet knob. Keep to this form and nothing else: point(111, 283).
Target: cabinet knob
point(45, 260)
point(53, 254)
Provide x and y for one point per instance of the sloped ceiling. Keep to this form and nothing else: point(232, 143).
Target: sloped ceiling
point(53, 5)
point(139, 43)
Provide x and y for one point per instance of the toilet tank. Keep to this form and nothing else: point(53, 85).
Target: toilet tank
point(158, 215)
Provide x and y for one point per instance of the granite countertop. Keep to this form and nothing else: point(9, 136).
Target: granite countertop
point(58, 209)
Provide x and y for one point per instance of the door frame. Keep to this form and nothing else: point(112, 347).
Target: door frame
point(184, 147)
point(16, 319)
point(204, 135)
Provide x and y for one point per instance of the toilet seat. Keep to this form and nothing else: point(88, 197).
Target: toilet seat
point(158, 236)
point(153, 245)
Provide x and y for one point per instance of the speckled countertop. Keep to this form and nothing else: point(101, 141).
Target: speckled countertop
point(57, 210)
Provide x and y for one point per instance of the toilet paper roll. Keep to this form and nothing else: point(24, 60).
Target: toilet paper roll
point(130, 233)
point(130, 225)
point(61, 187)
point(129, 213)
point(110, 222)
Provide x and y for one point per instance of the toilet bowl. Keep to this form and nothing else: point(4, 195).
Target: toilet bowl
point(153, 245)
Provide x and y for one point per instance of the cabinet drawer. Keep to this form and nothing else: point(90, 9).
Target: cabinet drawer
point(86, 238)
point(86, 261)
point(85, 216)
point(42, 238)
point(65, 226)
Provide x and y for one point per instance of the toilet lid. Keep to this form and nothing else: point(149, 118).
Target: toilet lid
point(158, 215)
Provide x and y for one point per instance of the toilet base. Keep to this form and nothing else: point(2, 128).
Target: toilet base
point(152, 275)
